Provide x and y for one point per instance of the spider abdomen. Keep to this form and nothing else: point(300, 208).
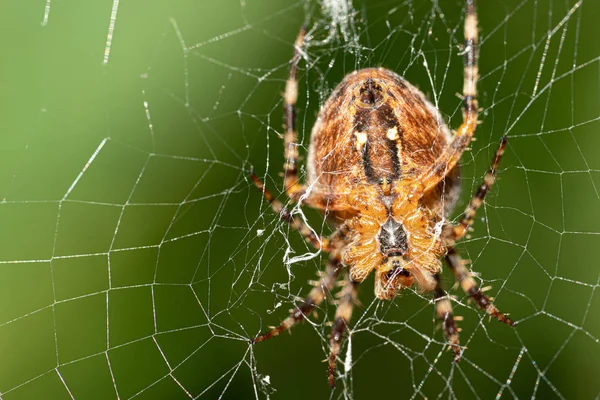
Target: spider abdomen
point(375, 129)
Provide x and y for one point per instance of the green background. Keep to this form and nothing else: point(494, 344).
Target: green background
point(145, 273)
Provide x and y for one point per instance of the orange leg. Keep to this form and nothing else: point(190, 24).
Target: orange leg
point(444, 312)
point(470, 287)
point(468, 216)
point(292, 186)
point(451, 155)
point(319, 242)
point(340, 324)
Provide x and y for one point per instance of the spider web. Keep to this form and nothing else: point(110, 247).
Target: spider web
point(137, 259)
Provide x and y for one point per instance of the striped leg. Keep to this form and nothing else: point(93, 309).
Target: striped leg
point(314, 298)
point(340, 324)
point(293, 188)
point(471, 70)
point(468, 216)
point(309, 235)
point(443, 309)
point(470, 287)
point(448, 160)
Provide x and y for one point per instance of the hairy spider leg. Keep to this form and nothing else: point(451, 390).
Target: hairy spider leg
point(461, 229)
point(315, 297)
point(443, 308)
point(451, 155)
point(319, 242)
point(470, 287)
point(343, 313)
point(293, 188)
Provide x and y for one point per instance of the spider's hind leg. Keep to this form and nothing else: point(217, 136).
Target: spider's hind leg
point(459, 143)
point(298, 224)
point(314, 298)
point(293, 188)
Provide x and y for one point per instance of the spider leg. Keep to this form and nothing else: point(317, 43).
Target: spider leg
point(295, 222)
point(292, 186)
point(451, 155)
point(343, 314)
point(461, 229)
point(443, 308)
point(470, 287)
point(314, 298)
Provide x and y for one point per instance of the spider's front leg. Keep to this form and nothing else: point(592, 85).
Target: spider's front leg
point(444, 312)
point(462, 274)
point(461, 229)
point(470, 287)
point(453, 233)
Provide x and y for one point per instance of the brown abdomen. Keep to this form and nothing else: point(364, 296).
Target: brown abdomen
point(375, 126)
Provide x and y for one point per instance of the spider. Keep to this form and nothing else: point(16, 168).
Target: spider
point(384, 167)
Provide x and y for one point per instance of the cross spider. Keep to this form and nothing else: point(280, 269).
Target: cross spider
point(384, 166)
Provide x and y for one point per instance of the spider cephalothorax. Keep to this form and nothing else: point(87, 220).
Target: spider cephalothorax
point(384, 167)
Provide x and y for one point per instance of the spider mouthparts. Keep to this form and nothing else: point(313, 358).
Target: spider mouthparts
point(398, 271)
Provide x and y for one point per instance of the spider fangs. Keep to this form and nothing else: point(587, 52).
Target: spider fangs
point(384, 166)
